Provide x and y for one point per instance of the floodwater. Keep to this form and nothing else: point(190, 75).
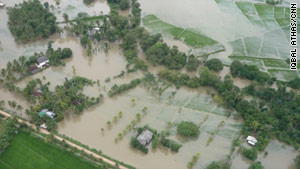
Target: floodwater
point(195, 104)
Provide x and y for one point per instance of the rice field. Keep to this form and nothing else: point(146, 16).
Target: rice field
point(189, 37)
point(28, 152)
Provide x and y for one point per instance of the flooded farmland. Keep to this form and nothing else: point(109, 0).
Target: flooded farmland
point(186, 105)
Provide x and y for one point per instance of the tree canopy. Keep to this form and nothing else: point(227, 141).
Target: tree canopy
point(214, 64)
point(188, 129)
point(31, 20)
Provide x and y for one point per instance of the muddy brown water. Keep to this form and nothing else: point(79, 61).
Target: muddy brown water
point(194, 104)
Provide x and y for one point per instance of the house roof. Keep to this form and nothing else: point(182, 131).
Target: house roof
point(251, 140)
point(145, 137)
point(42, 59)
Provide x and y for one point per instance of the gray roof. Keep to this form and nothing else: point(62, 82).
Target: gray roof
point(145, 137)
point(42, 59)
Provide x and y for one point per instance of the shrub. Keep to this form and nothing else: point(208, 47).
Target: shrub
point(256, 165)
point(251, 154)
point(188, 129)
point(136, 144)
point(214, 64)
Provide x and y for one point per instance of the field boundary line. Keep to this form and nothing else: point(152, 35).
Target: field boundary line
point(6, 164)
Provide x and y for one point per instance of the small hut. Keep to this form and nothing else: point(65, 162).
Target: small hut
point(145, 137)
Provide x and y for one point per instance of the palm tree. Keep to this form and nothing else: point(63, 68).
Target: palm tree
point(66, 17)
point(108, 123)
point(102, 130)
point(115, 118)
point(120, 114)
point(138, 116)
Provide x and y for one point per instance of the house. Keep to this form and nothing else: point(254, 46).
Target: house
point(2, 4)
point(251, 140)
point(77, 102)
point(42, 61)
point(145, 137)
point(94, 31)
point(48, 113)
point(37, 93)
point(34, 69)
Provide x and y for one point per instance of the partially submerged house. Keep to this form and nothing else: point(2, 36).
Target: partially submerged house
point(42, 61)
point(34, 69)
point(145, 137)
point(38, 93)
point(48, 113)
point(251, 140)
point(94, 31)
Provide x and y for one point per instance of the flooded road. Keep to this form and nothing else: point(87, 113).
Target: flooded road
point(195, 104)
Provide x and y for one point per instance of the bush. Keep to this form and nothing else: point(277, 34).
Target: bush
point(136, 144)
point(188, 129)
point(214, 64)
point(193, 63)
point(251, 154)
point(256, 165)
point(218, 165)
point(297, 161)
point(295, 84)
point(170, 144)
point(124, 4)
point(88, 1)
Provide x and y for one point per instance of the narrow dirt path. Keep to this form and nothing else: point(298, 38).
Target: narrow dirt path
point(66, 141)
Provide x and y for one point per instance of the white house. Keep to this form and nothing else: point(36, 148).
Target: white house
point(251, 140)
point(42, 61)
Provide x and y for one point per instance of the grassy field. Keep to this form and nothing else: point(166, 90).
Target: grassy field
point(2, 126)
point(285, 75)
point(27, 152)
point(191, 38)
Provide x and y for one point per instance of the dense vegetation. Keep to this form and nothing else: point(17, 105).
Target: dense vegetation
point(30, 20)
point(256, 165)
point(218, 165)
point(116, 89)
point(251, 72)
point(136, 144)
point(214, 64)
point(297, 161)
point(67, 98)
point(173, 145)
point(274, 113)
point(7, 133)
point(188, 129)
point(193, 63)
point(251, 154)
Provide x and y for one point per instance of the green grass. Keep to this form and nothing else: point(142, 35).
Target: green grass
point(27, 152)
point(191, 38)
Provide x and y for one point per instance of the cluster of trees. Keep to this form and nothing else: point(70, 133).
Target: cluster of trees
point(256, 165)
point(274, 113)
point(56, 56)
point(171, 144)
point(295, 83)
point(251, 72)
point(297, 161)
point(192, 64)
point(66, 98)
point(179, 79)
point(116, 89)
point(188, 129)
point(30, 20)
point(214, 64)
